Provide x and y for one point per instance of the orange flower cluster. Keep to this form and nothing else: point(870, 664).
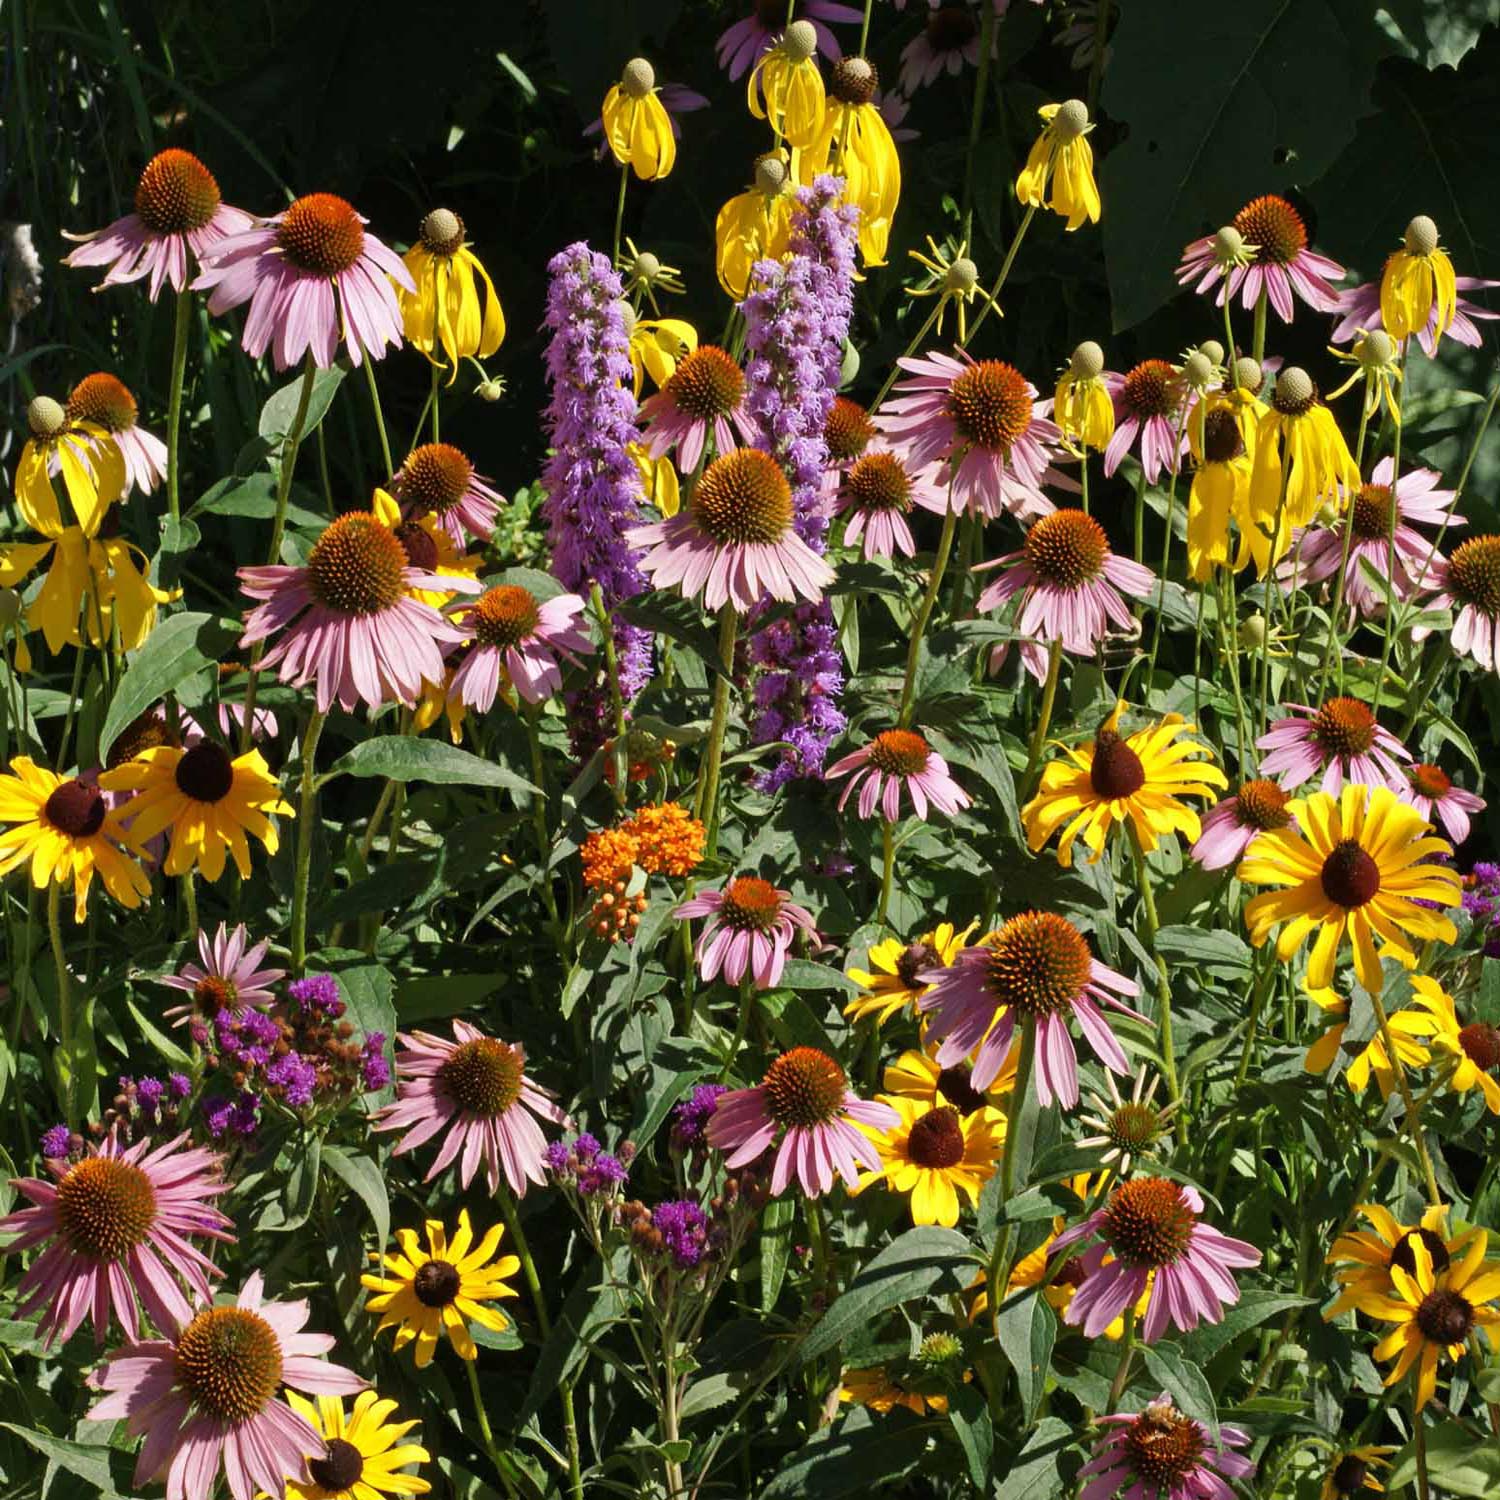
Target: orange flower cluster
point(664, 839)
point(669, 840)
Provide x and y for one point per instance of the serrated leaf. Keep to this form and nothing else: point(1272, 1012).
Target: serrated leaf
point(399, 757)
point(88, 1461)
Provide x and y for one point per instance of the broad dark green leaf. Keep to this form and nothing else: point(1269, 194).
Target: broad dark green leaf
point(363, 1177)
point(1457, 1464)
point(280, 410)
point(1040, 1470)
point(776, 1220)
point(88, 1461)
point(1184, 1382)
point(969, 1413)
point(1028, 1330)
point(402, 758)
point(856, 1458)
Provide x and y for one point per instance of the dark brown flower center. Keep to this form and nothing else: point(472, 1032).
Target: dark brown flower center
point(505, 615)
point(435, 476)
point(418, 545)
point(804, 1087)
point(214, 993)
point(436, 1283)
point(750, 904)
point(1038, 962)
point(955, 1084)
point(483, 1076)
point(854, 81)
point(357, 566)
point(105, 1207)
point(1066, 549)
point(879, 482)
point(1148, 1222)
point(140, 735)
point(176, 193)
point(1429, 780)
point(950, 27)
point(321, 233)
point(847, 430)
point(102, 399)
point(1163, 1446)
point(1445, 1317)
point(1405, 1256)
point(990, 405)
point(229, 1363)
point(340, 1469)
point(1343, 727)
point(1481, 1044)
point(205, 773)
point(742, 499)
point(1133, 1127)
point(1222, 439)
point(75, 809)
point(1116, 770)
point(1374, 511)
point(1261, 805)
point(937, 1139)
point(1350, 875)
point(1147, 391)
point(1275, 226)
point(915, 958)
point(1349, 1474)
point(1474, 574)
point(899, 752)
point(706, 384)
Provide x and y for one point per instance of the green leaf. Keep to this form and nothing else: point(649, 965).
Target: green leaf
point(1253, 1309)
point(398, 757)
point(367, 992)
point(1028, 1330)
point(280, 410)
point(367, 1181)
point(1185, 1383)
point(168, 1050)
point(437, 995)
point(676, 618)
point(860, 1457)
point(1213, 948)
point(969, 1412)
point(595, 1302)
point(88, 1461)
point(803, 974)
point(1036, 1472)
point(775, 1248)
point(254, 496)
point(1457, 1464)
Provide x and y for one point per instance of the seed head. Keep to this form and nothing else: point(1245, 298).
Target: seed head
point(443, 231)
point(1252, 632)
point(46, 416)
point(1087, 360)
point(1198, 369)
point(638, 79)
point(800, 41)
point(1248, 375)
point(1071, 120)
point(961, 277)
point(1421, 236)
point(1212, 350)
point(1294, 389)
point(770, 174)
point(1374, 349)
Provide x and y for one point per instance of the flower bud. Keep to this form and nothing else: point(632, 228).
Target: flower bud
point(1212, 350)
point(627, 315)
point(647, 267)
point(770, 174)
point(962, 276)
point(1374, 349)
point(1248, 375)
point(490, 390)
point(1229, 243)
point(1087, 360)
point(1198, 369)
point(1252, 632)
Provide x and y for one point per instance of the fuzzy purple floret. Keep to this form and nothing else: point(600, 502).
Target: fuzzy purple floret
point(55, 1142)
point(683, 1227)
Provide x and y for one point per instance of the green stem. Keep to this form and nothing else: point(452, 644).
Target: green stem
point(1010, 256)
point(174, 402)
point(1127, 1357)
point(906, 353)
point(887, 867)
point(539, 817)
point(924, 612)
point(385, 442)
point(1140, 514)
point(305, 805)
point(67, 733)
point(69, 1100)
point(620, 212)
point(1043, 718)
point(1163, 983)
point(1419, 1432)
point(1413, 1117)
point(504, 1466)
point(1389, 634)
point(999, 1267)
point(1257, 1004)
point(190, 902)
point(708, 792)
point(1258, 348)
point(616, 697)
point(1421, 692)
point(1083, 477)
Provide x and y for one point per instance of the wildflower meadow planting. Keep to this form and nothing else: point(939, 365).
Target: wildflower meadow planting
point(744, 750)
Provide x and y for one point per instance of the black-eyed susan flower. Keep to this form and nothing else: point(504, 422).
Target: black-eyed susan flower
point(1435, 1312)
point(442, 1289)
point(366, 1457)
point(934, 1155)
point(1410, 1030)
point(447, 310)
point(1062, 158)
point(64, 831)
point(921, 1383)
point(430, 549)
point(890, 983)
point(1362, 1258)
point(1356, 865)
point(1354, 1470)
point(1468, 1053)
point(209, 802)
point(1417, 278)
point(855, 143)
point(785, 87)
point(1142, 778)
point(918, 1075)
point(636, 123)
point(1221, 431)
point(755, 225)
point(1083, 409)
point(86, 457)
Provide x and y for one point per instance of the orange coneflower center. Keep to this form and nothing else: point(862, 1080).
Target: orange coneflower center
point(1222, 439)
point(205, 773)
point(1474, 574)
point(1066, 549)
point(176, 193)
point(990, 405)
point(1275, 226)
point(436, 1283)
point(105, 1207)
point(483, 1076)
point(418, 544)
point(321, 233)
point(1147, 391)
point(1350, 876)
point(937, 1139)
point(102, 399)
point(847, 430)
point(743, 498)
point(1343, 727)
point(1445, 1317)
point(1133, 1127)
point(1349, 1474)
point(1116, 770)
point(1374, 511)
point(899, 752)
point(435, 476)
point(956, 1085)
point(145, 733)
point(914, 959)
point(1163, 1446)
point(1481, 1044)
point(1149, 1222)
point(1261, 804)
point(750, 904)
point(356, 567)
point(706, 384)
point(854, 81)
point(214, 993)
point(341, 1469)
point(229, 1363)
point(76, 809)
point(442, 232)
point(1404, 1255)
point(1038, 962)
point(505, 615)
point(1429, 780)
point(950, 27)
point(804, 1087)
point(879, 482)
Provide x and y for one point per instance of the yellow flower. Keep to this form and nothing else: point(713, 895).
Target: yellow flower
point(1435, 1311)
point(1063, 155)
point(447, 311)
point(1407, 1030)
point(934, 1155)
point(208, 801)
point(1141, 778)
point(365, 1455)
point(658, 479)
point(434, 703)
point(919, 1382)
point(64, 831)
point(1376, 365)
point(916, 1075)
point(1415, 277)
point(656, 344)
point(644, 274)
point(756, 225)
point(1221, 433)
point(856, 144)
point(876, 1388)
point(785, 87)
point(894, 985)
point(83, 453)
point(1084, 409)
point(1353, 1470)
point(636, 123)
point(1469, 1053)
point(952, 280)
point(428, 546)
point(1354, 865)
point(1364, 1257)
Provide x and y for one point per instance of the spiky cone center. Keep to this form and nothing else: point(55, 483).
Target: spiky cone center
point(936, 1139)
point(1374, 512)
point(341, 1469)
point(76, 809)
point(939, 1349)
point(105, 1207)
point(950, 27)
point(706, 384)
point(229, 1363)
point(1148, 1222)
point(483, 1076)
point(914, 959)
point(847, 430)
point(45, 417)
point(750, 904)
point(418, 544)
point(1349, 1474)
point(1294, 394)
point(1343, 727)
point(1133, 1127)
point(442, 232)
point(1223, 442)
point(435, 476)
point(1272, 224)
point(436, 1283)
point(1405, 1256)
point(176, 193)
point(1066, 549)
point(1261, 805)
point(1039, 963)
point(804, 1087)
point(1116, 770)
point(854, 81)
point(879, 481)
point(1428, 780)
point(955, 1085)
point(1481, 1044)
point(102, 399)
point(1474, 574)
point(1350, 876)
point(1147, 390)
point(1163, 1446)
point(743, 498)
point(214, 993)
point(990, 405)
point(1445, 1317)
point(505, 616)
point(899, 752)
point(357, 566)
point(321, 233)
point(205, 773)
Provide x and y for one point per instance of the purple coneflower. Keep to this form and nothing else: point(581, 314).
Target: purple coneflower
point(230, 978)
point(476, 1087)
point(740, 45)
point(1228, 830)
point(313, 275)
point(1359, 311)
point(705, 394)
point(1148, 405)
point(947, 43)
point(1342, 740)
point(1468, 583)
point(437, 479)
point(876, 496)
point(1161, 1454)
point(517, 635)
point(805, 1099)
point(751, 924)
point(895, 759)
point(107, 402)
point(1431, 791)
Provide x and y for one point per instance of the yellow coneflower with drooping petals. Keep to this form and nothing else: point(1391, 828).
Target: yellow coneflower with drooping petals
point(1376, 365)
point(85, 456)
point(1417, 277)
point(856, 144)
point(447, 310)
point(1221, 432)
point(785, 87)
point(953, 280)
point(756, 225)
point(1062, 159)
point(1084, 410)
point(636, 123)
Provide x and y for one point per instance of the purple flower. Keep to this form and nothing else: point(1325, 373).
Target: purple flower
point(179, 1085)
point(601, 1174)
point(586, 1147)
point(55, 1142)
point(374, 1068)
point(555, 1157)
point(318, 992)
point(690, 1117)
point(683, 1227)
point(295, 1077)
point(239, 1116)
